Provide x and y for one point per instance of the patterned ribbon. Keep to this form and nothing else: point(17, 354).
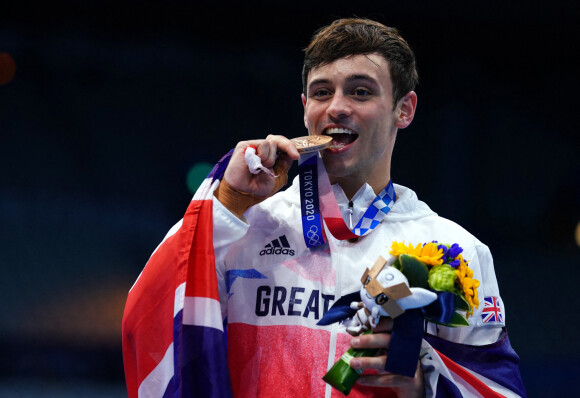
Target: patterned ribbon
point(317, 198)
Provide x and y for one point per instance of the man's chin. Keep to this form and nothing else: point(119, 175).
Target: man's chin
point(335, 168)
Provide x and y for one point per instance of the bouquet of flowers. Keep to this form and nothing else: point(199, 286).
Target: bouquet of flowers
point(438, 268)
point(441, 268)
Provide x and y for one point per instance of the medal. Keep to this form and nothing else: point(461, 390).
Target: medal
point(312, 143)
point(307, 144)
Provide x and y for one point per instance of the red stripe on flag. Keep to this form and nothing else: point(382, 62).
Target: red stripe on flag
point(201, 273)
point(148, 317)
point(472, 380)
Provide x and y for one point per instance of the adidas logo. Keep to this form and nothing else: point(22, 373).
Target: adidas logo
point(278, 246)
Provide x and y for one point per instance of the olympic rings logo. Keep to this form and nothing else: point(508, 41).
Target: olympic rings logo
point(312, 235)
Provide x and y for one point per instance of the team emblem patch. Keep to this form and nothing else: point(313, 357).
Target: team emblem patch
point(491, 310)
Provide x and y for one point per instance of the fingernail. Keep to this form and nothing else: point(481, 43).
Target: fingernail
point(355, 342)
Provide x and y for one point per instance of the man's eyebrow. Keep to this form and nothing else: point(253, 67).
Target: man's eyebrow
point(364, 77)
point(318, 81)
point(349, 79)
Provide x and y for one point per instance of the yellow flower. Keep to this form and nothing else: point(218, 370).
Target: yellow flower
point(468, 285)
point(399, 248)
point(428, 253)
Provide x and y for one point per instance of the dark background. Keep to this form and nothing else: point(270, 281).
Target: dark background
point(113, 103)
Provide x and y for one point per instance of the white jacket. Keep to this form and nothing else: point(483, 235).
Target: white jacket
point(274, 290)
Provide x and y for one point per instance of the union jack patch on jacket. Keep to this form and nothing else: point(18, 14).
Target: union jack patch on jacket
point(491, 310)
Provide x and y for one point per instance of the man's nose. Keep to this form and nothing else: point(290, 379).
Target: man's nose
point(339, 106)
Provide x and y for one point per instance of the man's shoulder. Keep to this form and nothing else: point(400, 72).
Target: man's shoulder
point(409, 208)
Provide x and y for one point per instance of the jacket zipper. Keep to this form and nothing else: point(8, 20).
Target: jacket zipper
point(350, 212)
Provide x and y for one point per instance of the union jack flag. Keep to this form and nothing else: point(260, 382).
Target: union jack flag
point(174, 344)
point(491, 310)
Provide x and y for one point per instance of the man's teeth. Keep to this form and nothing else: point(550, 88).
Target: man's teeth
point(336, 130)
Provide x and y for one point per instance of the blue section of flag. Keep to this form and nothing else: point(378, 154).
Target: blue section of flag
point(169, 392)
point(220, 168)
point(205, 366)
point(491, 310)
point(177, 354)
point(447, 389)
point(200, 362)
point(505, 369)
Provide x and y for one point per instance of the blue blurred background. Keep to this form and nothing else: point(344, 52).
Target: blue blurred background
point(111, 111)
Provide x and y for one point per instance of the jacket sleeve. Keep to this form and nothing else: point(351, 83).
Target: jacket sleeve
point(227, 229)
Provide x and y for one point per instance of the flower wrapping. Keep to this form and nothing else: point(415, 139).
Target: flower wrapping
point(341, 376)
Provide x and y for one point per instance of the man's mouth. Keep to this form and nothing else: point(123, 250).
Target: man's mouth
point(341, 137)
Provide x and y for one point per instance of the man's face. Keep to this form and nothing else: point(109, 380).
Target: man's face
point(351, 100)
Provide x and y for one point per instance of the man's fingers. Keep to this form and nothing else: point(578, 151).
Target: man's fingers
point(267, 153)
point(276, 152)
point(279, 144)
point(362, 363)
point(385, 325)
point(386, 380)
point(405, 386)
point(288, 147)
point(373, 340)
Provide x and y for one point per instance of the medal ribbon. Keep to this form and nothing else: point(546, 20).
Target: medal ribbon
point(316, 195)
point(312, 227)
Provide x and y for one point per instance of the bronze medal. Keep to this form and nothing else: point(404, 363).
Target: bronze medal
point(311, 143)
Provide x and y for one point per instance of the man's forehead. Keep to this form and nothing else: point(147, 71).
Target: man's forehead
point(360, 66)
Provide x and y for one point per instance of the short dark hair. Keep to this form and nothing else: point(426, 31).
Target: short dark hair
point(354, 36)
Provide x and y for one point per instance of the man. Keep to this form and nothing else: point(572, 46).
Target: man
point(274, 286)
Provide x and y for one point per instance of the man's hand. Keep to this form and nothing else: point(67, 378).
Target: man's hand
point(276, 152)
point(404, 386)
point(240, 189)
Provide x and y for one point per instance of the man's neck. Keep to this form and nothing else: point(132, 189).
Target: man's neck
point(351, 186)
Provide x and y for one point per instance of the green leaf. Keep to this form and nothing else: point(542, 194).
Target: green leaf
point(416, 272)
point(458, 320)
point(397, 264)
point(460, 303)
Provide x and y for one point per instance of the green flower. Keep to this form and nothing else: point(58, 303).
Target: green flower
point(442, 278)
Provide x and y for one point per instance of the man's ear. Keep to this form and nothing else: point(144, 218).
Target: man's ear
point(406, 110)
point(304, 105)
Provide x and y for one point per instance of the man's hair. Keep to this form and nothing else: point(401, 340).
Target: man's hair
point(361, 36)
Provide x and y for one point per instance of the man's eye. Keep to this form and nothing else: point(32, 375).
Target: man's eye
point(321, 93)
point(361, 92)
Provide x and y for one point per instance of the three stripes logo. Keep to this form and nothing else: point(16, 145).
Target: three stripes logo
point(278, 246)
